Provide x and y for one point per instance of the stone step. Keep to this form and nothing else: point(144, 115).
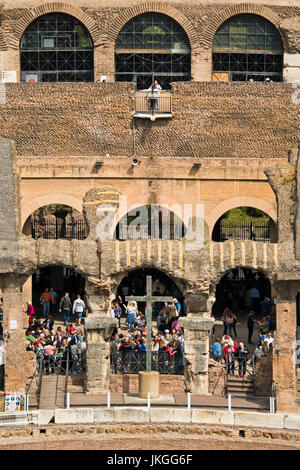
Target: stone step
point(52, 393)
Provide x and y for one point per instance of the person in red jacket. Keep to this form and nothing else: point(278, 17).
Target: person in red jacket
point(228, 353)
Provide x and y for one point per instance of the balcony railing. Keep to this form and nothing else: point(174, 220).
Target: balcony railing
point(162, 109)
point(59, 230)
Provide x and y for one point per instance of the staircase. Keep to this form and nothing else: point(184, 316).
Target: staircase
point(52, 392)
point(241, 387)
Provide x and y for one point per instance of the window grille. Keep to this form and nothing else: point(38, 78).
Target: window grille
point(248, 46)
point(152, 46)
point(57, 48)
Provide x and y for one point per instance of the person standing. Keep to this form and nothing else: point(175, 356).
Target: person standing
point(250, 325)
point(78, 309)
point(66, 306)
point(153, 95)
point(255, 298)
point(46, 302)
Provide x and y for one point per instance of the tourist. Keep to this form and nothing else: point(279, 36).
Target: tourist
point(250, 325)
point(46, 302)
point(54, 300)
point(30, 312)
point(266, 307)
point(66, 307)
point(131, 315)
point(241, 355)
point(153, 96)
point(217, 350)
point(78, 309)
point(49, 358)
point(117, 312)
point(48, 323)
point(230, 321)
point(255, 297)
point(73, 346)
point(229, 356)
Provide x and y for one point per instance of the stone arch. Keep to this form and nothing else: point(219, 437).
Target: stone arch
point(54, 7)
point(153, 7)
point(123, 213)
point(214, 24)
point(261, 204)
point(3, 45)
point(40, 201)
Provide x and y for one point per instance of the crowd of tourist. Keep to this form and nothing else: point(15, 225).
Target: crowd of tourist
point(236, 354)
point(130, 343)
point(57, 345)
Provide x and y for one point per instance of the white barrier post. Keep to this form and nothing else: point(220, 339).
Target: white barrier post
point(68, 401)
point(189, 401)
point(149, 399)
point(229, 403)
point(108, 399)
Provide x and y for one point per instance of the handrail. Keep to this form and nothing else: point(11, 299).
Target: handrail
point(67, 377)
point(40, 381)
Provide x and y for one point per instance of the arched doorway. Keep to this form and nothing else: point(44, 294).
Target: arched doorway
point(153, 221)
point(134, 283)
point(236, 291)
point(57, 47)
point(152, 46)
point(61, 279)
point(247, 47)
point(245, 223)
point(56, 221)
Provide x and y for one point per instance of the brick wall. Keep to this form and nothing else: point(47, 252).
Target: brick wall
point(210, 120)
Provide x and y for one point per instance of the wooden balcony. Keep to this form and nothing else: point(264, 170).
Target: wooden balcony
point(142, 106)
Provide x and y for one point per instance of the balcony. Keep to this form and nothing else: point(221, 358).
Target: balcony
point(142, 106)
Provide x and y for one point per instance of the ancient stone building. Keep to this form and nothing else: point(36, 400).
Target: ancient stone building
point(76, 131)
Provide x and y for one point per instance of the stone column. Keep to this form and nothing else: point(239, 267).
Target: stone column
point(14, 335)
point(284, 364)
point(98, 333)
point(196, 333)
point(98, 296)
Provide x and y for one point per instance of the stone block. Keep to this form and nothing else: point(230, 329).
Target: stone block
point(206, 416)
point(202, 347)
point(45, 416)
point(170, 415)
point(244, 418)
point(103, 415)
point(291, 422)
point(133, 415)
point(74, 416)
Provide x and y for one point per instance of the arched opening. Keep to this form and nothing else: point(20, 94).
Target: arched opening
point(247, 47)
point(134, 283)
point(153, 221)
point(57, 47)
point(56, 221)
point(61, 279)
point(245, 223)
point(152, 46)
point(233, 291)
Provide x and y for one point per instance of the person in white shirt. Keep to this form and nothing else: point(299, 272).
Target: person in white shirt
point(78, 309)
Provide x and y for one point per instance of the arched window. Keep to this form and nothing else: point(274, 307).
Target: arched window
point(247, 47)
point(152, 46)
point(56, 48)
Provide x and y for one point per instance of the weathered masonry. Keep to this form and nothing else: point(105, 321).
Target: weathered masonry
point(76, 131)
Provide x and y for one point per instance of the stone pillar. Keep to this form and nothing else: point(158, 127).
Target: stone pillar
point(14, 335)
point(196, 333)
point(98, 332)
point(98, 296)
point(284, 364)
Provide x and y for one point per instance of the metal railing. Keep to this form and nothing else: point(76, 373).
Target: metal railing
point(240, 364)
point(59, 230)
point(142, 104)
point(132, 362)
point(244, 230)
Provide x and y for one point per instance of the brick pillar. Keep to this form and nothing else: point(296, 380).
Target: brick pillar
point(196, 332)
point(14, 335)
point(98, 332)
point(284, 364)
